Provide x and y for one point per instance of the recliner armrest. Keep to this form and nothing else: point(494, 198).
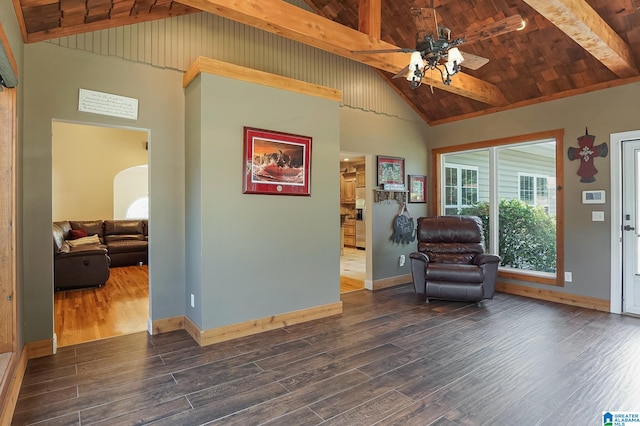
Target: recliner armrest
point(419, 256)
point(419, 262)
point(485, 258)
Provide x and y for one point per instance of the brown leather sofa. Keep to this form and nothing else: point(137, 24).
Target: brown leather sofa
point(117, 243)
point(450, 262)
point(80, 266)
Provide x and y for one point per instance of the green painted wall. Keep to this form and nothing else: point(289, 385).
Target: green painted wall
point(161, 111)
point(587, 244)
point(251, 255)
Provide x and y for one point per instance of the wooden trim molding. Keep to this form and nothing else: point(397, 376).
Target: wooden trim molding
point(247, 328)
point(392, 282)
point(13, 390)
point(166, 325)
point(554, 296)
point(224, 69)
point(39, 348)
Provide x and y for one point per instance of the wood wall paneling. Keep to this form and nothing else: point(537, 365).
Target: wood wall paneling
point(178, 41)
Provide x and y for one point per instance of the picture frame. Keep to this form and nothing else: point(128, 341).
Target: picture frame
point(417, 188)
point(390, 171)
point(276, 163)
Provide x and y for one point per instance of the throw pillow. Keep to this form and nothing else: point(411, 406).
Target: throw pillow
point(93, 239)
point(74, 234)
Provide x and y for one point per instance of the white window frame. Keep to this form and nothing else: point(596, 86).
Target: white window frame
point(459, 168)
point(536, 199)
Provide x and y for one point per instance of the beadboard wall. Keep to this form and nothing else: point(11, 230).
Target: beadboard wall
point(176, 42)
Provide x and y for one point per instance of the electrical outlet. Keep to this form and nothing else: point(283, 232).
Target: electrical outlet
point(568, 277)
point(401, 260)
point(193, 301)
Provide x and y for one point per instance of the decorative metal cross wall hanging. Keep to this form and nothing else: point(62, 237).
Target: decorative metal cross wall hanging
point(586, 153)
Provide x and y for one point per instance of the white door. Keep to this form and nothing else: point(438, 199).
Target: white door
point(631, 227)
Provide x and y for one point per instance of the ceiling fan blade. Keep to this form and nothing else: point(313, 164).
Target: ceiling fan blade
point(503, 26)
point(402, 73)
point(426, 21)
point(473, 62)
point(401, 50)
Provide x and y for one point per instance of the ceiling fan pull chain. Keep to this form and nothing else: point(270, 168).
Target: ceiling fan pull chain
point(431, 81)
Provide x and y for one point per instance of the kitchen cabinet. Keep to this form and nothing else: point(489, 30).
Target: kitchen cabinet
point(349, 229)
point(360, 179)
point(350, 190)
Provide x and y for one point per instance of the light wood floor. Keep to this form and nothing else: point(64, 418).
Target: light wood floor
point(389, 359)
point(352, 270)
point(120, 307)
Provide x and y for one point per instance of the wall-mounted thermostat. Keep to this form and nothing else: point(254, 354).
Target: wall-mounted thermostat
point(594, 197)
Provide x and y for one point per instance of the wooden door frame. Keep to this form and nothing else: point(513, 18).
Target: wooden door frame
point(615, 142)
point(8, 260)
point(8, 257)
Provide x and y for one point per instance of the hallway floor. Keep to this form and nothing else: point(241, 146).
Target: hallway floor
point(352, 269)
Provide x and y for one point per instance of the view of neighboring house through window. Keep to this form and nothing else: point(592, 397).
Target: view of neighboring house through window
point(534, 191)
point(512, 188)
point(461, 187)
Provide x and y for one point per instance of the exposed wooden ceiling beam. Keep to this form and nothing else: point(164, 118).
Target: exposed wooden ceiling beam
point(370, 17)
point(583, 24)
point(286, 20)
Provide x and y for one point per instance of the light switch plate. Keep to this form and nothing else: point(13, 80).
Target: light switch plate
point(597, 216)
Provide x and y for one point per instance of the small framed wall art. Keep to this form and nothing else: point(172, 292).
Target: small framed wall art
point(276, 163)
point(417, 189)
point(391, 172)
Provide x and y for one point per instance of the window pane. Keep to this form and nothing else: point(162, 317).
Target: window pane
point(526, 208)
point(139, 209)
point(526, 189)
point(471, 186)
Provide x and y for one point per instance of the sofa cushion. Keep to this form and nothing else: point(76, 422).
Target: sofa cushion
point(124, 246)
point(123, 227)
point(121, 237)
point(74, 234)
point(91, 226)
point(58, 237)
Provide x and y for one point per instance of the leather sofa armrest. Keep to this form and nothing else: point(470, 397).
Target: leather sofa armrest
point(419, 262)
point(86, 250)
point(485, 258)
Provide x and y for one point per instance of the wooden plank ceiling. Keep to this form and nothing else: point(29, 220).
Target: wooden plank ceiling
point(567, 47)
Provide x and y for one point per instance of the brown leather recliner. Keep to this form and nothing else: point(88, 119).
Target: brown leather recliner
point(450, 262)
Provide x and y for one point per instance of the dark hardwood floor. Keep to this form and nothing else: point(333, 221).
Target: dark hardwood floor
point(389, 360)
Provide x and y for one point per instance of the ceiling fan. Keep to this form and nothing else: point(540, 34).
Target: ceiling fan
point(436, 50)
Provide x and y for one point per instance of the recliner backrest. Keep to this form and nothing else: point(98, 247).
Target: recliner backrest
point(450, 239)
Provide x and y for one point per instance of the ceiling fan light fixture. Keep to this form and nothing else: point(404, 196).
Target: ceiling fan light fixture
point(416, 69)
point(454, 59)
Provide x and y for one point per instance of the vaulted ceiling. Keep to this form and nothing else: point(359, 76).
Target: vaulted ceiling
point(567, 47)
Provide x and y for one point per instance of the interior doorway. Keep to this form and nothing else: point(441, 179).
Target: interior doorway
point(353, 222)
point(86, 189)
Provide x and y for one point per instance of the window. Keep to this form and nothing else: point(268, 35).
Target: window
point(461, 187)
point(534, 190)
point(139, 209)
point(522, 211)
